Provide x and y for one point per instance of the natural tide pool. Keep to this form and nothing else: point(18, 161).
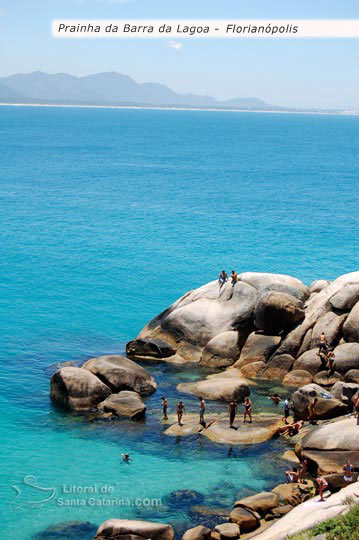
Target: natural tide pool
point(107, 216)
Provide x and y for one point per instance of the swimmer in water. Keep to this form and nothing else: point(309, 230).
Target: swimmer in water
point(126, 458)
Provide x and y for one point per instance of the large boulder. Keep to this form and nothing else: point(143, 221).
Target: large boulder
point(326, 407)
point(247, 520)
point(318, 285)
point(221, 389)
point(331, 324)
point(276, 312)
point(227, 531)
point(310, 513)
point(261, 429)
point(346, 298)
point(331, 444)
point(326, 378)
point(351, 326)
point(197, 533)
point(346, 357)
point(125, 403)
point(278, 367)
point(149, 348)
point(276, 282)
point(345, 392)
point(257, 348)
point(262, 502)
point(118, 528)
point(76, 388)
point(297, 377)
point(120, 373)
point(255, 369)
point(310, 361)
point(222, 350)
point(352, 376)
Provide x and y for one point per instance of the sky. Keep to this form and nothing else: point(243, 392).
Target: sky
point(294, 73)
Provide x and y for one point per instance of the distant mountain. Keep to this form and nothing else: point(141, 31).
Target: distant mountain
point(107, 89)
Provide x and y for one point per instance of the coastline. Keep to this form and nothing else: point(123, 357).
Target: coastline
point(154, 108)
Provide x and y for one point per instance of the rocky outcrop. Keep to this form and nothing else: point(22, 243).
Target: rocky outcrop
point(351, 326)
point(222, 350)
point(262, 503)
point(257, 348)
point(308, 514)
point(245, 518)
point(262, 429)
point(77, 389)
point(346, 357)
point(120, 373)
point(346, 298)
point(277, 312)
point(139, 349)
point(326, 407)
point(197, 533)
point(226, 531)
point(278, 367)
point(118, 529)
point(328, 446)
point(297, 377)
point(221, 389)
point(125, 403)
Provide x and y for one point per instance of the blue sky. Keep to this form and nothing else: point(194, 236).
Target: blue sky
point(323, 73)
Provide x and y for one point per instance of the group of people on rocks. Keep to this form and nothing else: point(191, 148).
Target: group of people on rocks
point(233, 406)
point(223, 278)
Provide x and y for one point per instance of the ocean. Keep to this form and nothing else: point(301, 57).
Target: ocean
point(108, 216)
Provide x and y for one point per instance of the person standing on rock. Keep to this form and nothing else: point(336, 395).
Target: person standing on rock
point(348, 471)
point(232, 413)
point(322, 486)
point(330, 360)
point(303, 471)
point(292, 476)
point(311, 411)
point(202, 410)
point(164, 405)
point(247, 409)
point(180, 411)
point(323, 343)
point(286, 410)
point(234, 278)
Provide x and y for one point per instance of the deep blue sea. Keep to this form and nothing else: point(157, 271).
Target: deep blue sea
point(107, 216)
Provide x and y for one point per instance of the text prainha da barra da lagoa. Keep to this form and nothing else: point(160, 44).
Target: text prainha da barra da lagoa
point(178, 30)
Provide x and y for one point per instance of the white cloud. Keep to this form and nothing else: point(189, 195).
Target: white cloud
point(175, 45)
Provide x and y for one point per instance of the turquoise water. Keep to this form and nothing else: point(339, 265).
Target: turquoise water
point(107, 216)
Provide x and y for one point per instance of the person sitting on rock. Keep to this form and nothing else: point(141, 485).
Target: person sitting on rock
point(348, 472)
point(232, 413)
point(330, 360)
point(202, 411)
point(234, 278)
point(356, 407)
point(180, 412)
point(292, 476)
point(322, 486)
point(323, 343)
point(303, 471)
point(311, 410)
point(222, 278)
point(164, 406)
point(247, 409)
point(291, 429)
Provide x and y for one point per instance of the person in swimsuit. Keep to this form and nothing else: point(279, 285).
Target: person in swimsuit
point(311, 411)
point(232, 412)
point(247, 410)
point(222, 278)
point(322, 486)
point(234, 278)
point(180, 411)
point(323, 343)
point(291, 429)
point(356, 407)
point(126, 458)
point(202, 411)
point(330, 360)
point(164, 405)
point(348, 471)
point(292, 476)
point(275, 398)
point(303, 471)
point(286, 410)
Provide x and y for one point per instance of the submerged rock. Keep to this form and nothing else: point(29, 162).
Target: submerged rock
point(184, 498)
point(77, 389)
point(69, 530)
point(120, 373)
point(117, 528)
